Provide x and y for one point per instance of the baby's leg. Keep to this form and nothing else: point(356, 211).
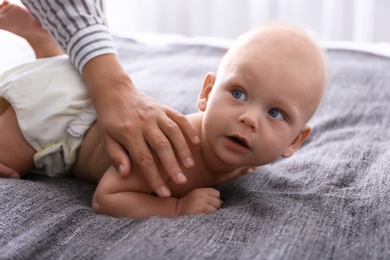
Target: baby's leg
point(3, 105)
point(17, 20)
point(15, 152)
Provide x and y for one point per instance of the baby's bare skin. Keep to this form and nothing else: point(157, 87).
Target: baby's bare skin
point(19, 21)
point(92, 162)
point(91, 159)
point(245, 119)
point(18, 156)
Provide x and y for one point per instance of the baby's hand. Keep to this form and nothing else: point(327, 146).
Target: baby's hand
point(199, 201)
point(7, 172)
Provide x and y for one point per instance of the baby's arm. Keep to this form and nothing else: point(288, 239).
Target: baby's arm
point(132, 198)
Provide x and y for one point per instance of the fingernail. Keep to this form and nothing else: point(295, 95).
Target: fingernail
point(196, 140)
point(190, 162)
point(121, 169)
point(164, 192)
point(181, 178)
point(15, 176)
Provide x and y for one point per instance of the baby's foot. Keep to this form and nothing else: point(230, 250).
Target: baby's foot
point(17, 20)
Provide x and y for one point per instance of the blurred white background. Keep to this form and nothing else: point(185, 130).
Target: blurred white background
point(331, 20)
point(358, 23)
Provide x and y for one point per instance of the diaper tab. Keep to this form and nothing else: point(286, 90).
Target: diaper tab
point(55, 160)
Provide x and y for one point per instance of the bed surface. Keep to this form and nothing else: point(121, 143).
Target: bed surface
point(331, 200)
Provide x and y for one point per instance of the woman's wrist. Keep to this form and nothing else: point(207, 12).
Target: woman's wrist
point(104, 74)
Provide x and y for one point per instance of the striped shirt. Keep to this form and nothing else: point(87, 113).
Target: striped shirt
point(78, 26)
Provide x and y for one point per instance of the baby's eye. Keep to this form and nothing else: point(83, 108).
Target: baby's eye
point(238, 94)
point(275, 113)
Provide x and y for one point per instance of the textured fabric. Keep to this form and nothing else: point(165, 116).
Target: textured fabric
point(79, 26)
point(331, 200)
point(53, 109)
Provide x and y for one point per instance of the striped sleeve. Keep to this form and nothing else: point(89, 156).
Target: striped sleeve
point(78, 26)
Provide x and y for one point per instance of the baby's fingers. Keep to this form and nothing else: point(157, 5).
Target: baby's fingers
point(212, 206)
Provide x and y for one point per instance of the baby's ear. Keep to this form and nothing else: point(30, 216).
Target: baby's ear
point(205, 91)
point(298, 141)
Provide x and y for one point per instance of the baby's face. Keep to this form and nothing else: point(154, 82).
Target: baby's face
point(262, 98)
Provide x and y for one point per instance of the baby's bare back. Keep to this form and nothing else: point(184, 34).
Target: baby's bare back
point(91, 159)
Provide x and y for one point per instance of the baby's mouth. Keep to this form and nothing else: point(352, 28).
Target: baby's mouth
point(240, 141)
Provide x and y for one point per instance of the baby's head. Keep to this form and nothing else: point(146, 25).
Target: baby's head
point(289, 54)
point(268, 86)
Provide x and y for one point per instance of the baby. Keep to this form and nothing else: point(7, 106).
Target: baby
point(254, 110)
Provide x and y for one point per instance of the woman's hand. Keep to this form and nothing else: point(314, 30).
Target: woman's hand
point(130, 121)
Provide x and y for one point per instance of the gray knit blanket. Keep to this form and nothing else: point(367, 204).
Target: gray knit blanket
point(331, 200)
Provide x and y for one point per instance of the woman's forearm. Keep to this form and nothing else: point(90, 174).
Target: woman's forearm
point(78, 26)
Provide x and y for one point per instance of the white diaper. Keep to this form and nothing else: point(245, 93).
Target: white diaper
point(53, 108)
